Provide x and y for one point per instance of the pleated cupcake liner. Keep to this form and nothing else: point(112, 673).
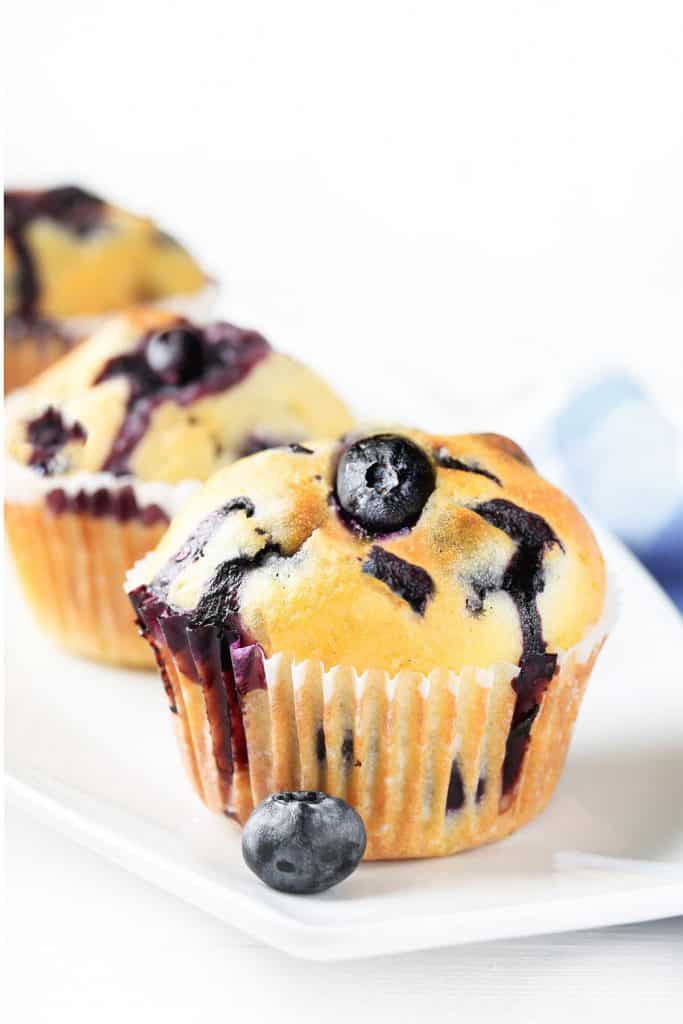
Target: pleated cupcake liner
point(420, 757)
point(71, 557)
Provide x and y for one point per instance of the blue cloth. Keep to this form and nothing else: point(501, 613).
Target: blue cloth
point(622, 458)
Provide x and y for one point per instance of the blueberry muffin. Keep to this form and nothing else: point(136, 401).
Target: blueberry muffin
point(71, 257)
point(403, 620)
point(105, 446)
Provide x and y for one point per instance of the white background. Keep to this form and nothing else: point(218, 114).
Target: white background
point(492, 187)
point(491, 190)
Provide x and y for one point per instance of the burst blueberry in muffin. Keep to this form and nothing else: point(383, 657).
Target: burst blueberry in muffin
point(70, 257)
point(401, 620)
point(105, 447)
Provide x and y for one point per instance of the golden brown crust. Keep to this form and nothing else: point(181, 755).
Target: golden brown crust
point(321, 605)
point(278, 397)
point(508, 446)
point(125, 260)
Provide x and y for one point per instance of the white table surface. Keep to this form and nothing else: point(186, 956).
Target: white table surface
point(86, 940)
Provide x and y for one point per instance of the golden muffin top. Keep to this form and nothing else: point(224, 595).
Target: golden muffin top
point(157, 397)
point(69, 253)
point(397, 550)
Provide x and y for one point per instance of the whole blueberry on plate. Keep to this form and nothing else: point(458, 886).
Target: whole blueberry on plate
point(383, 482)
point(175, 355)
point(303, 842)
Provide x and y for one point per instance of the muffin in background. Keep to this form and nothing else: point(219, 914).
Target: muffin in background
point(70, 258)
point(403, 620)
point(104, 448)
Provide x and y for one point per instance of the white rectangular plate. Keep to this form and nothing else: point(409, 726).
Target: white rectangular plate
point(90, 750)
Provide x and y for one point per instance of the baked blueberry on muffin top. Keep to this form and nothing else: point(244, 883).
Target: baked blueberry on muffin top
point(397, 551)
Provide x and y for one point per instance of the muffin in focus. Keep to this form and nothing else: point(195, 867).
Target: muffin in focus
point(105, 447)
point(403, 620)
point(71, 258)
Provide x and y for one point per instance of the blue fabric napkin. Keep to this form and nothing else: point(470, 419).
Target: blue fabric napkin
point(622, 458)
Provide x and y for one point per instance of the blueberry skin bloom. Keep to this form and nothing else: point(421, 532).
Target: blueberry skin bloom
point(175, 355)
point(383, 482)
point(303, 842)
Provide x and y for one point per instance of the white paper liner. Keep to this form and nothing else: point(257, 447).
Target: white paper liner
point(71, 568)
point(23, 486)
point(421, 756)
